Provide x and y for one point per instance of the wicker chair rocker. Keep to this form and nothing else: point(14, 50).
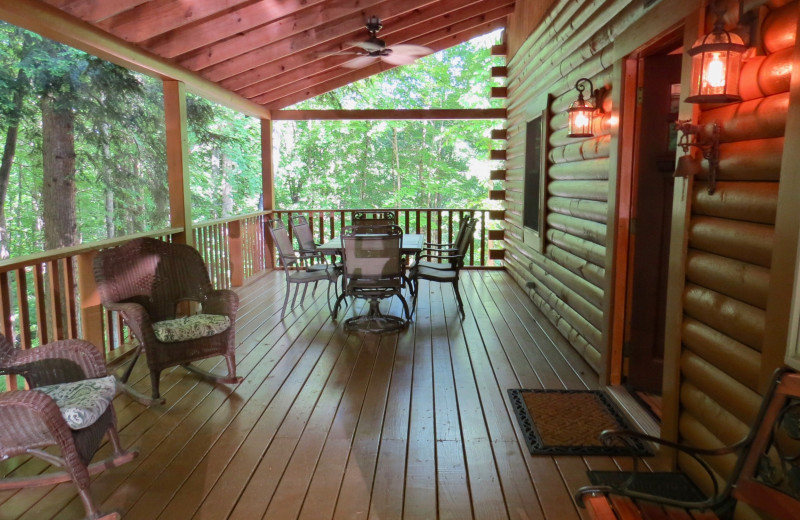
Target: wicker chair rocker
point(149, 282)
point(68, 407)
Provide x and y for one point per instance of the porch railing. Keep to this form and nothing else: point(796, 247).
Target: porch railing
point(438, 225)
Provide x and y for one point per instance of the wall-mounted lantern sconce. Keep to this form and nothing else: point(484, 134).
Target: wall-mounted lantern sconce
point(707, 144)
point(716, 62)
point(581, 112)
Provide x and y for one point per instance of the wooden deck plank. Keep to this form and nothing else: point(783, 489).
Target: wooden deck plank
point(328, 424)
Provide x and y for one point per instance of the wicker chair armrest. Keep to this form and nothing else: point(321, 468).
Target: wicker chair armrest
point(629, 437)
point(221, 301)
point(137, 318)
point(36, 419)
point(81, 353)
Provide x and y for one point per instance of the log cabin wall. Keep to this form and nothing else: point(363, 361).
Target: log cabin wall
point(719, 372)
point(729, 254)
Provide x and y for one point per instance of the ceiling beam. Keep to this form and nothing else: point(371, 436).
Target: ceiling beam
point(52, 23)
point(161, 16)
point(92, 10)
point(294, 33)
point(306, 78)
point(353, 76)
point(227, 25)
point(390, 115)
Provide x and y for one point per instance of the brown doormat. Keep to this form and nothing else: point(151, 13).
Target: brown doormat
point(569, 422)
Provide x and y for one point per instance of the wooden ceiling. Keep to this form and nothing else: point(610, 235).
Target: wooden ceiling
point(277, 52)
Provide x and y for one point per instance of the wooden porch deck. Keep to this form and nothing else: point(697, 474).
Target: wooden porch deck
point(334, 425)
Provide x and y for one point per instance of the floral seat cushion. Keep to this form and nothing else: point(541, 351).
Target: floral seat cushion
point(190, 327)
point(82, 402)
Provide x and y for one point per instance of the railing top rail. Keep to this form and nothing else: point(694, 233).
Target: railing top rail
point(350, 210)
point(64, 252)
point(230, 219)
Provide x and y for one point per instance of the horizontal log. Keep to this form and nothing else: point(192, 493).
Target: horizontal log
point(779, 29)
point(496, 254)
point(732, 357)
point(749, 201)
point(741, 280)
point(497, 175)
point(584, 189)
point(499, 50)
point(499, 92)
point(497, 194)
point(739, 400)
point(389, 114)
point(592, 169)
point(579, 305)
point(569, 316)
point(760, 118)
point(586, 229)
point(589, 251)
point(694, 433)
point(497, 214)
point(497, 155)
point(743, 241)
point(499, 72)
point(601, 126)
point(692, 469)
point(586, 350)
point(719, 421)
point(593, 210)
point(496, 234)
point(575, 283)
point(593, 148)
point(756, 160)
point(766, 75)
point(499, 133)
point(734, 318)
point(592, 273)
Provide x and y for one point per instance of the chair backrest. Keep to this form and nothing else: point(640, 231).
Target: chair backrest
point(303, 233)
point(372, 253)
point(374, 218)
point(155, 274)
point(466, 236)
point(282, 240)
point(767, 475)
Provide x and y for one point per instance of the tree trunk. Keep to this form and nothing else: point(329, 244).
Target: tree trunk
point(226, 167)
point(108, 192)
point(396, 152)
point(9, 151)
point(58, 161)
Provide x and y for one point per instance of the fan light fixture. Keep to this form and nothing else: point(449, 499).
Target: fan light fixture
point(716, 62)
point(581, 112)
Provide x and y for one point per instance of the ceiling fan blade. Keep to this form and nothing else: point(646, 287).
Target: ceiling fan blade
point(400, 59)
point(410, 49)
point(361, 61)
point(338, 53)
point(367, 46)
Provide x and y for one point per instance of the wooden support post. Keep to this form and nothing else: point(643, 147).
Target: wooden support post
point(180, 206)
point(267, 184)
point(91, 309)
point(235, 249)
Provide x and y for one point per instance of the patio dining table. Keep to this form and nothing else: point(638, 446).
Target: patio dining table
point(412, 244)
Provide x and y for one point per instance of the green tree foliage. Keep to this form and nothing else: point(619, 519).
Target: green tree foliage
point(363, 164)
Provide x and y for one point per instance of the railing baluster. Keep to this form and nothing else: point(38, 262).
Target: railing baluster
point(71, 312)
point(54, 301)
point(41, 312)
point(24, 321)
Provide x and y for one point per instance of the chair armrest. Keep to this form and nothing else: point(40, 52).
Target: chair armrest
point(137, 319)
point(76, 353)
point(609, 436)
point(221, 301)
point(36, 419)
point(434, 245)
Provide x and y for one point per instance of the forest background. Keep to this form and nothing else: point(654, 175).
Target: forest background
point(84, 154)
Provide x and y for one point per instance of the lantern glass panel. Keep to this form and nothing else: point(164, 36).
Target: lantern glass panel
point(580, 120)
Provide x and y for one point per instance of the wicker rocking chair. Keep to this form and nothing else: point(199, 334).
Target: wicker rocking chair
point(149, 282)
point(68, 407)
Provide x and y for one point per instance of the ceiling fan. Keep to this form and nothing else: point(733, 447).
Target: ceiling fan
point(376, 49)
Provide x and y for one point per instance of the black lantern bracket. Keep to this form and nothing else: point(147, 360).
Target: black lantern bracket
point(596, 95)
point(707, 143)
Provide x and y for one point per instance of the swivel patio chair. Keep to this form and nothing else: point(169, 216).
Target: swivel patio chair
point(374, 218)
point(63, 418)
point(290, 260)
point(151, 283)
point(443, 268)
point(373, 271)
